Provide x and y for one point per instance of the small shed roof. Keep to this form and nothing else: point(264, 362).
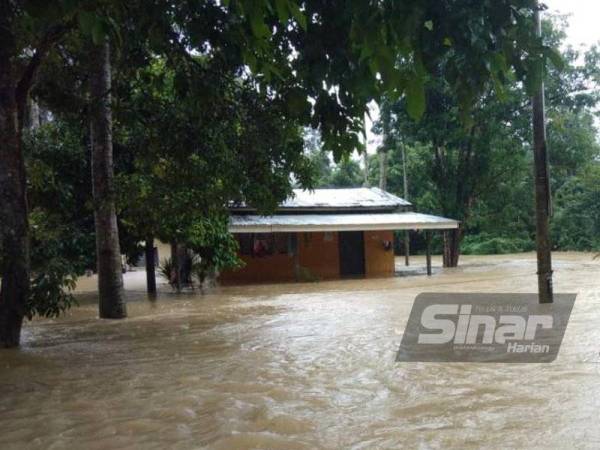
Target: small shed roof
point(334, 199)
point(338, 222)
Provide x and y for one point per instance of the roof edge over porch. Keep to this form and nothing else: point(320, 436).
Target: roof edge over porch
point(338, 222)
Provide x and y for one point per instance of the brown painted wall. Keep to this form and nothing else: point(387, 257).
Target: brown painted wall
point(379, 262)
point(261, 270)
point(318, 255)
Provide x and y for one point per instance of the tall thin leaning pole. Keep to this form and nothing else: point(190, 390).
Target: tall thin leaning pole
point(405, 194)
point(543, 199)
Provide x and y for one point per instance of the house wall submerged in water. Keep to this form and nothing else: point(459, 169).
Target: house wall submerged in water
point(324, 234)
point(309, 256)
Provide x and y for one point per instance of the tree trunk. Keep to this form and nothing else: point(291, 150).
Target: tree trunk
point(14, 224)
point(150, 266)
point(366, 154)
point(14, 245)
point(108, 252)
point(174, 277)
point(452, 240)
point(182, 269)
point(14, 227)
point(366, 169)
point(383, 156)
point(32, 114)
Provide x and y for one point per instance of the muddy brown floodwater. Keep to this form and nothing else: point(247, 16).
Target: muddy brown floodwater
point(299, 366)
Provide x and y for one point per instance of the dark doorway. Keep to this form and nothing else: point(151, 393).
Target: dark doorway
point(352, 253)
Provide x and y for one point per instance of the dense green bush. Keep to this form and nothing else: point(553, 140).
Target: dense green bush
point(61, 218)
point(576, 222)
point(485, 244)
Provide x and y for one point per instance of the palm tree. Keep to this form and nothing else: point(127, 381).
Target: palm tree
point(108, 253)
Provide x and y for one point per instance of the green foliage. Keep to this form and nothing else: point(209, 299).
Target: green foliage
point(184, 268)
point(572, 142)
point(165, 269)
point(345, 57)
point(318, 157)
point(202, 270)
point(486, 244)
point(62, 239)
point(480, 171)
point(347, 173)
point(209, 99)
point(196, 269)
point(210, 239)
point(576, 221)
point(54, 270)
point(344, 174)
point(188, 162)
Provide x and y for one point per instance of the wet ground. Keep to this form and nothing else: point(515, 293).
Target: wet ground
point(298, 366)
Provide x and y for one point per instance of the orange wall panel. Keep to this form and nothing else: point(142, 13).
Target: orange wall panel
point(379, 262)
point(265, 269)
point(319, 255)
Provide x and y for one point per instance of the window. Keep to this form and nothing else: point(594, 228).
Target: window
point(265, 244)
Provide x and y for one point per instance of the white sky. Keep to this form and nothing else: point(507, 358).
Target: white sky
point(583, 30)
point(583, 21)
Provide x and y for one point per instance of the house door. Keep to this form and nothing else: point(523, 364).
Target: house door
point(352, 253)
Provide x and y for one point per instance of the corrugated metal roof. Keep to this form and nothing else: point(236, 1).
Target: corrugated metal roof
point(338, 222)
point(336, 199)
point(344, 198)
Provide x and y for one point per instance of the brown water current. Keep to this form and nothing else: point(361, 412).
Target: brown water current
point(299, 366)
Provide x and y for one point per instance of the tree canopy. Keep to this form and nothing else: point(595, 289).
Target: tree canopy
point(480, 173)
point(208, 100)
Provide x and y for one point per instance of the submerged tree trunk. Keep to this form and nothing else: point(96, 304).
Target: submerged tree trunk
point(14, 224)
point(14, 227)
point(182, 268)
point(452, 239)
point(108, 253)
point(150, 266)
point(176, 267)
point(428, 251)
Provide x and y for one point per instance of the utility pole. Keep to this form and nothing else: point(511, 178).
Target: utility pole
point(543, 199)
point(405, 193)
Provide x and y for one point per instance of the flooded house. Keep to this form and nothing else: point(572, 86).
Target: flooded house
point(324, 234)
